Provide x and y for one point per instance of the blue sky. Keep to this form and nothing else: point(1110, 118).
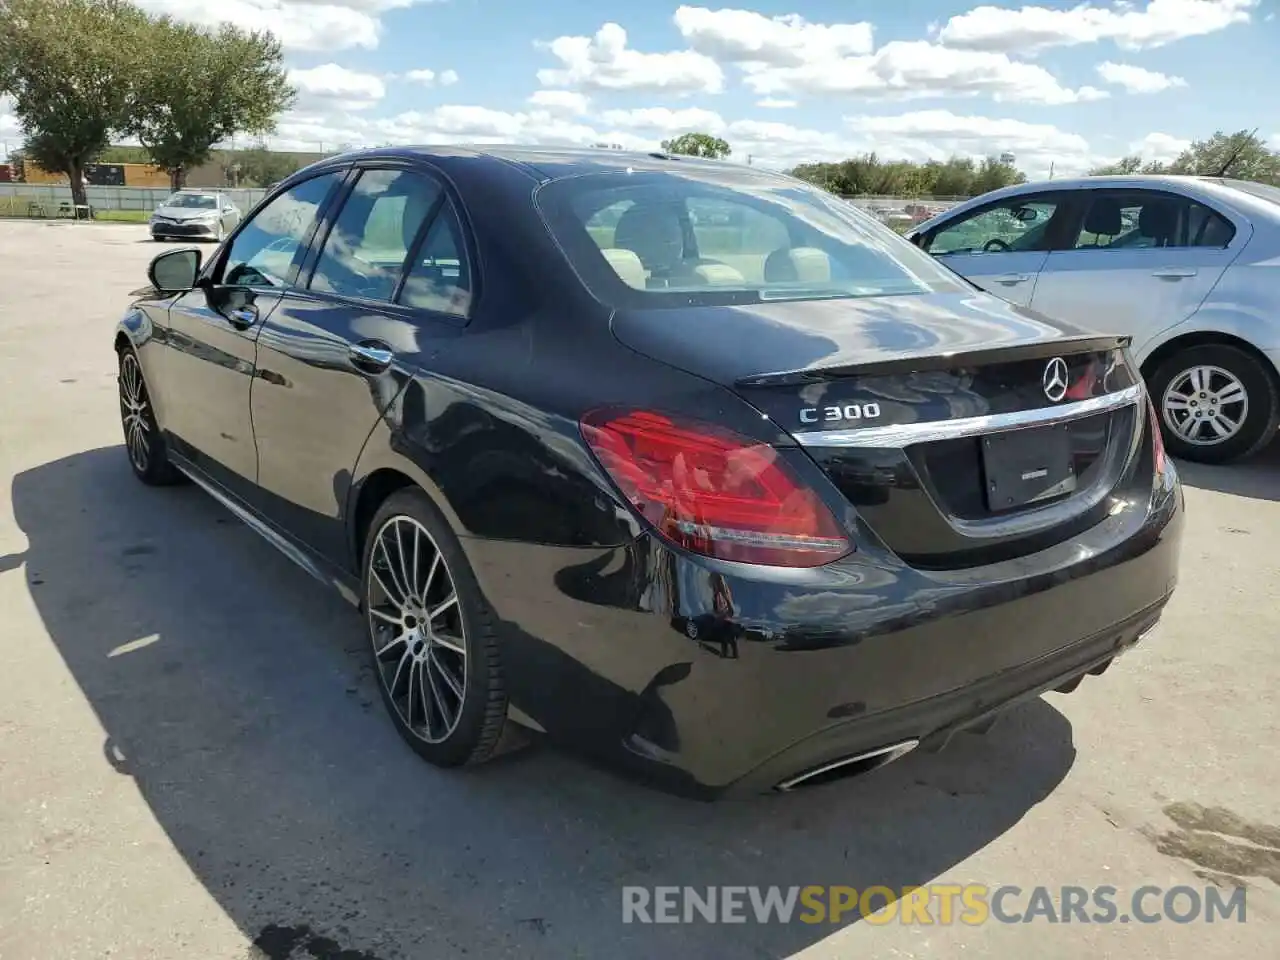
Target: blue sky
point(1063, 83)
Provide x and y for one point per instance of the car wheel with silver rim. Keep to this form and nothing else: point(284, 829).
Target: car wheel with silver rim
point(1217, 403)
point(148, 455)
point(434, 649)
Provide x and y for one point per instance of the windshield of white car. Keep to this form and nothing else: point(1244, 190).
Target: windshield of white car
point(198, 201)
point(727, 236)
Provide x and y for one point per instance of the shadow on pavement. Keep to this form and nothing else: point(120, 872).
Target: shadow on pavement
point(235, 692)
point(1257, 478)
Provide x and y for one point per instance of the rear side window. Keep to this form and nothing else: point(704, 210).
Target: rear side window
point(364, 254)
point(440, 278)
point(1146, 220)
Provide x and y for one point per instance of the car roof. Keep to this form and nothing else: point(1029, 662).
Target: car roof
point(552, 162)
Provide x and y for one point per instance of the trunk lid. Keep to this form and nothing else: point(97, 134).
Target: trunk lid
point(962, 429)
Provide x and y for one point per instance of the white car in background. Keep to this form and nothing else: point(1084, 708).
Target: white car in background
point(1189, 267)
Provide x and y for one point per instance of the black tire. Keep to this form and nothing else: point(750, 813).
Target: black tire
point(145, 447)
point(480, 717)
point(1263, 406)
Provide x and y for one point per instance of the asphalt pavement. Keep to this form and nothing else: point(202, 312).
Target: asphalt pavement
point(194, 761)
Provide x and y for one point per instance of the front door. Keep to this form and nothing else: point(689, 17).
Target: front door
point(337, 351)
point(1000, 246)
point(207, 372)
point(1138, 262)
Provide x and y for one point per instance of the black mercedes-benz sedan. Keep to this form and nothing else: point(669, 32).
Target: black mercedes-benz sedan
point(689, 466)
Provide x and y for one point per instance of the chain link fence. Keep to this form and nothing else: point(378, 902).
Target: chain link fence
point(47, 200)
point(52, 200)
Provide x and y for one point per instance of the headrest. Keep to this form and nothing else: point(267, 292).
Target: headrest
point(653, 232)
point(802, 264)
point(626, 265)
point(718, 275)
point(1158, 220)
point(1104, 218)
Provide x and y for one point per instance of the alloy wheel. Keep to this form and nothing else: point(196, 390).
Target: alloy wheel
point(419, 638)
point(134, 413)
point(1205, 405)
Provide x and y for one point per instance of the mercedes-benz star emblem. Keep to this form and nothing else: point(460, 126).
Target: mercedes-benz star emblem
point(1054, 380)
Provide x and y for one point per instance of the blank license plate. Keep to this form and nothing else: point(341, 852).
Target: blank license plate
point(1027, 466)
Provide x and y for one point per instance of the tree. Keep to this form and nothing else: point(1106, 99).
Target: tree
point(67, 65)
point(264, 167)
point(697, 145)
point(1242, 155)
point(198, 87)
point(869, 175)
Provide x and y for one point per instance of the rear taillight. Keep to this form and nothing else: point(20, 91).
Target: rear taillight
point(1157, 436)
point(714, 492)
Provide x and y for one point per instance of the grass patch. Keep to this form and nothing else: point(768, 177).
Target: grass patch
point(28, 209)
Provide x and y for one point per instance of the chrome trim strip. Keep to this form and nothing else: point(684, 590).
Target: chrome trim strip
point(899, 749)
point(905, 434)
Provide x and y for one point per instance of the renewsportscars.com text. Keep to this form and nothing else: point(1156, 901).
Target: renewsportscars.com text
point(936, 904)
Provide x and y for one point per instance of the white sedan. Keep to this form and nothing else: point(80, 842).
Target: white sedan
point(1189, 267)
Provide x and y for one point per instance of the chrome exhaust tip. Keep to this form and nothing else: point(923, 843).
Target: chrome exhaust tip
point(838, 768)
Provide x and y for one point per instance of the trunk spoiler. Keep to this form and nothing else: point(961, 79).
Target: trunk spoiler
point(924, 361)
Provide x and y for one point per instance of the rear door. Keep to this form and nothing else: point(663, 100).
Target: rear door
point(1138, 261)
point(206, 374)
point(1001, 246)
point(389, 276)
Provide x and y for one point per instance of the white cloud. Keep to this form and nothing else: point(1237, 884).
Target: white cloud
point(1137, 79)
point(1031, 28)
point(773, 103)
point(1274, 142)
point(336, 86)
point(560, 101)
point(913, 69)
point(8, 118)
point(299, 24)
point(740, 36)
point(429, 78)
point(604, 62)
point(1159, 146)
point(666, 121)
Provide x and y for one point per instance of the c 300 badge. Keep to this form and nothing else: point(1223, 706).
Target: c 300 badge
point(850, 412)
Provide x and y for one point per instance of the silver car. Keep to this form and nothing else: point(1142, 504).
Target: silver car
point(1189, 267)
point(194, 215)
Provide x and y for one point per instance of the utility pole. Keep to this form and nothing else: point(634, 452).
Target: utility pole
point(1051, 164)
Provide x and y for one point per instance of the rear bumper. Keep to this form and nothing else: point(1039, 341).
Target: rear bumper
point(707, 678)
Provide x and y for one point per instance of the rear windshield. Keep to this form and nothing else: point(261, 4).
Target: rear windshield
point(647, 239)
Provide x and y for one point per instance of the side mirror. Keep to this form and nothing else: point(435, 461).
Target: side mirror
point(174, 271)
point(1025, 214)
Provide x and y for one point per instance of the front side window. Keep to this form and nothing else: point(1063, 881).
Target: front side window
point(1144, 220)
point(1016, 226)
point(364, 254)
point(262, 253)
point(654, 239)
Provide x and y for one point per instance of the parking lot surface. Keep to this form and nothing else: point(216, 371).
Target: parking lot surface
point(194, 761)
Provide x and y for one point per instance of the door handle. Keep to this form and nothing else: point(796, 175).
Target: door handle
point(243, 317)
point(1012, 279)
point(371, 355)
point(1174, 273)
